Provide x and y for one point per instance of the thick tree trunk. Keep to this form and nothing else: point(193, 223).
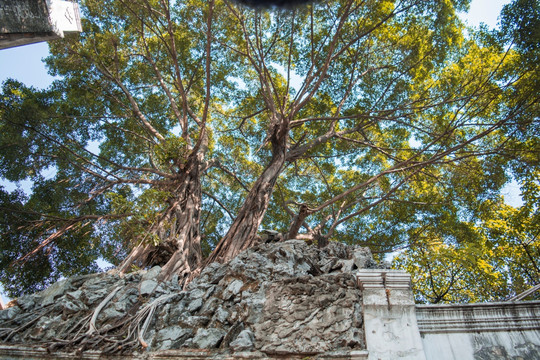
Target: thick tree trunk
point(243, 231)
point(179, 250)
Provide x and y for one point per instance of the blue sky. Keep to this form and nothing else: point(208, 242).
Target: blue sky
point(25, 64)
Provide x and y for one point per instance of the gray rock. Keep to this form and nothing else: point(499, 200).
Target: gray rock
point(49, 295)
point(147, 287)
point(73, 306)
point(244, 341)
point(232, 289)
point(172, 333)
point(177, 310)
point(208, 338)
point(100, 281)
point(151, 274)
point(9, 313)
point(221, 315)
point(271, 236)
point(347, 265)
point(197, 293)
point(195, 305)
point(209, 292)
point(134, 276)
point(211, 274)
point(195, 321)
point(126, 299)
point(362, 258)
point(161, 289)
point(164, 345)
point(110, 313)
point(75, 295)
point(210, 306)
point(27, 302)
point(95, 296)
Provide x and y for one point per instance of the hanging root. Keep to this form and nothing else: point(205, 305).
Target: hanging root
point(92, 325)
point(147, 314)
point(7, 333)
point(125, 334)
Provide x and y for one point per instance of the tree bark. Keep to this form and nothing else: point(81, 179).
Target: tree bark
point(243, 231)
point(179, 251)
point(303, 212)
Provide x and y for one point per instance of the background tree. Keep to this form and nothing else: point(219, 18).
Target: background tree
point(370, 122)
point(499, 252)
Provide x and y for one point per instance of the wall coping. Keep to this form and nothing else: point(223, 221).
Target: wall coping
point(532, 303)
point(34, 353)
point(484, 317)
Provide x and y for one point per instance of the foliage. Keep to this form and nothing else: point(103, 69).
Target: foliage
point(499, 254)
point(179, 129)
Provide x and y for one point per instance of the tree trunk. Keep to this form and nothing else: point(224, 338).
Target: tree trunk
point(179, 250)
point(243, 231)
point(303, 212)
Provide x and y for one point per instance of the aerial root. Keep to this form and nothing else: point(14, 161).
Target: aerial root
point(129, 330)
point(92, 325)
point(123, 335)
point(7, 333)
point(147, 314)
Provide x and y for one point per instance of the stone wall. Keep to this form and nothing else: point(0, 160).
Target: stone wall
point(284, 300)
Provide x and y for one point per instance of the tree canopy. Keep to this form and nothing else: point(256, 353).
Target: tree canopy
point(180, 129)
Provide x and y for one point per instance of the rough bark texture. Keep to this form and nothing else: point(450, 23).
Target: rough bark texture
point(298, 221)
point(179, 250)
point(243, 232)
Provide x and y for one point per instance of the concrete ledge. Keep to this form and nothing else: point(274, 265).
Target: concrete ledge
point(9, 352)
point(507, 330)
point(502, 316)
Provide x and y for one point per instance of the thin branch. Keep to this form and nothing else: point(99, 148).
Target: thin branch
point(220, 204)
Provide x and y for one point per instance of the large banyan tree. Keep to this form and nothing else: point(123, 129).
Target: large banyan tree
point(177, 130)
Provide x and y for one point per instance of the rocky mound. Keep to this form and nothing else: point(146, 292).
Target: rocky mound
point(279, 298)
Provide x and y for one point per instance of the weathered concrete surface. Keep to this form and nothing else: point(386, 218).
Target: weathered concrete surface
point(29, 21)
point(389, 316)
point(283, 299)
point(24, 16)
point(16, 352)
point(485, 331)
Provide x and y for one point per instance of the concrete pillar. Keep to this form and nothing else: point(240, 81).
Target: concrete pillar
point(29, 21)
point(389, 315)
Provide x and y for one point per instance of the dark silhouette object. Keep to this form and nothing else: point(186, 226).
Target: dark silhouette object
point(281, 4)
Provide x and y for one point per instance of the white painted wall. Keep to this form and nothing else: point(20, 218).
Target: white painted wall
point(484, 331)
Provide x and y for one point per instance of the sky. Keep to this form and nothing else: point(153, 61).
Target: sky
point(24, 63)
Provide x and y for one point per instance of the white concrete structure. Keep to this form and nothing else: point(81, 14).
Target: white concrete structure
point(29, 21)
point(389, 315)
point(396, 328)
point(509, 330)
